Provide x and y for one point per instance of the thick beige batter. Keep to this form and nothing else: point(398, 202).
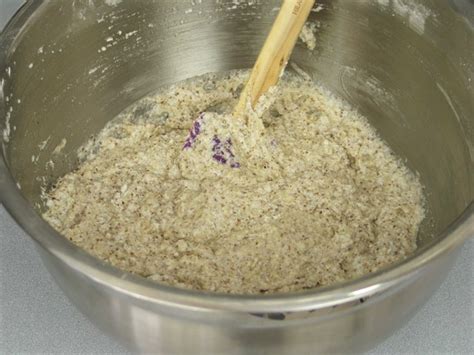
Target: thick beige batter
point(306, 196)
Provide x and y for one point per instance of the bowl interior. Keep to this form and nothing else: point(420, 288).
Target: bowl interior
point(406, 65)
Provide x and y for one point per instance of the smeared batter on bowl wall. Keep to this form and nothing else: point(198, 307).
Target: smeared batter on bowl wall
point(303, 194)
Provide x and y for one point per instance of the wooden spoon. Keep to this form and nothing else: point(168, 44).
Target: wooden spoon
point(267, 70)
point(276, 52)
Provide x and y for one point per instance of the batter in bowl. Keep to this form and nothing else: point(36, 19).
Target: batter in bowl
point(301, 193)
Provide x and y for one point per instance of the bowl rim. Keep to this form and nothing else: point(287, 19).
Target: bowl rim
point(135, 287)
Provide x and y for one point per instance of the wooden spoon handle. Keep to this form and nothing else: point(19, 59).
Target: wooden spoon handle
point(276, 51)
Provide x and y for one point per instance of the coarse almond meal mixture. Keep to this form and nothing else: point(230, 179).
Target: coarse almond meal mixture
point(301, 195)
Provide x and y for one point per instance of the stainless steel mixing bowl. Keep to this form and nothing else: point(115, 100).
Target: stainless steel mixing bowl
point(68, 67)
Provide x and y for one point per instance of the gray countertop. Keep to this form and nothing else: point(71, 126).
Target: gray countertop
point(35, 316)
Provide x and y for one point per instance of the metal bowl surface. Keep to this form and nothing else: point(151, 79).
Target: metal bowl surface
point(68, 67)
